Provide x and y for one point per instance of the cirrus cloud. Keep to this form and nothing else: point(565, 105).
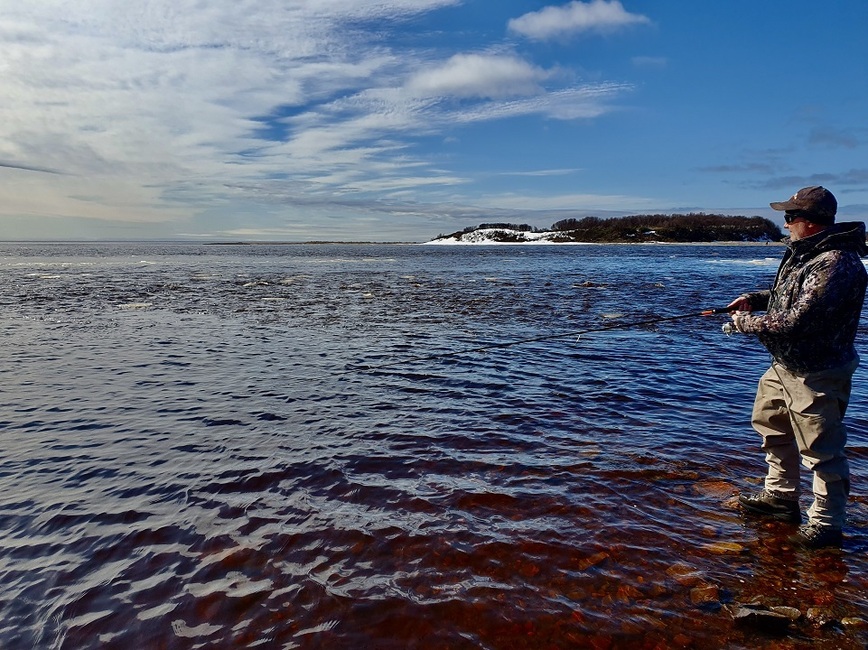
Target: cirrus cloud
point(251, 111)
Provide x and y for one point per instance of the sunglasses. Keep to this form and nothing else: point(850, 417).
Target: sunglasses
point(792, 215)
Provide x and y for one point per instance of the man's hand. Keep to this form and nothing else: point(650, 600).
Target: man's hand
point(738, 317)
point(739, 304)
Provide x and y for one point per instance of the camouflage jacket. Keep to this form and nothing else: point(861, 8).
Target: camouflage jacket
point(813, 308)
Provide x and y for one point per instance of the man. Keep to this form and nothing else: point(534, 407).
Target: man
point(809, 328)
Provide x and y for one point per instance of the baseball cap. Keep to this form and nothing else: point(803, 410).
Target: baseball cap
point(816, 202)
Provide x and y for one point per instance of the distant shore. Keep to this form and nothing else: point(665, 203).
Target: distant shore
point(439, 242)
point(692, 228)
point(452, 242)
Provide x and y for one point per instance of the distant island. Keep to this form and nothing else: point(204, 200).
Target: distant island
point(668, 228)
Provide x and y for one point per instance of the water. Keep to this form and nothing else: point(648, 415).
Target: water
point(189, 458)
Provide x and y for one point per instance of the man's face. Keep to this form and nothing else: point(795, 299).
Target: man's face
point(800, 227)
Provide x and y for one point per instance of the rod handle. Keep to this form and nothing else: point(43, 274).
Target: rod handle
point(718, 310)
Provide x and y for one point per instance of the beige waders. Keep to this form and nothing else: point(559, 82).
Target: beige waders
point(800, 418)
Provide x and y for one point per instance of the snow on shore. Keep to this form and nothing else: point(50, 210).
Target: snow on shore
point(490, 236)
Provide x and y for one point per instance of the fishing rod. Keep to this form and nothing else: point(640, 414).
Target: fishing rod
point(534, 339)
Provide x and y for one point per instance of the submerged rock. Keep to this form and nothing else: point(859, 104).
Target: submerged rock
point(705, 594)
point(822, 618)
point(722, 548)
point(684, 574)
point(792, 612)
point(770, 619)
point(819, 617)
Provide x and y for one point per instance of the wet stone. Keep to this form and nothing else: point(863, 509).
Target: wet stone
point(705, 594)
point(792, 612)
point(771, 619)
point(684, 575)
point(722, 548)
point(819, 617)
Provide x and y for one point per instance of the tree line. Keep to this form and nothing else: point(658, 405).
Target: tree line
point(692, 227)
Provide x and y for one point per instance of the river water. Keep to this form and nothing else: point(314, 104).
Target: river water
point(252, 446)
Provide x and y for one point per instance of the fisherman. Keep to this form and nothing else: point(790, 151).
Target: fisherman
point(809, 328)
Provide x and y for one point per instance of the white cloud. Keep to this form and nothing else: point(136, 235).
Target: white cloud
point(575, 17)
point(479, 75)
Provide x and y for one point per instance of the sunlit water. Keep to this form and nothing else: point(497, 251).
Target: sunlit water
point(196, 452)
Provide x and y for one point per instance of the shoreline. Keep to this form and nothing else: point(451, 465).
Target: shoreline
point(433, 242)
point(651, 243)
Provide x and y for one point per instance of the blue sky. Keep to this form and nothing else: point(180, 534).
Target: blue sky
point(398, 120)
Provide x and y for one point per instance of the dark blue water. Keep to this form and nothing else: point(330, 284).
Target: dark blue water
point(191, 458)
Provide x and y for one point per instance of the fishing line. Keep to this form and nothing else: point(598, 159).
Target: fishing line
point(534, 339)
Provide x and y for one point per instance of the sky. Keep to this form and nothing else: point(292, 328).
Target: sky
point(399, 120)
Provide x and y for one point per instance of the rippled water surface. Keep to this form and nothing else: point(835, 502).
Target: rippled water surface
point(197, 452)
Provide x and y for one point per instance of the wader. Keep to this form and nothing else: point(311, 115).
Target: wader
point(800, 418)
